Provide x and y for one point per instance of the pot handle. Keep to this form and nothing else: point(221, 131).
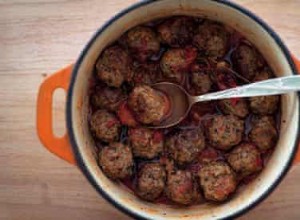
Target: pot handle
point(60, 146)
point(297, 157)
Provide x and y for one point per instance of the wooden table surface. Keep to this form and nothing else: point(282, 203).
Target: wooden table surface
point(37, 37)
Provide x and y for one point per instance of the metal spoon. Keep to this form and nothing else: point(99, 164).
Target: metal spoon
point(181, 102)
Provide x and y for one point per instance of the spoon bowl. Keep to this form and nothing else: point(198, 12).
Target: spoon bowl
point(179, 103)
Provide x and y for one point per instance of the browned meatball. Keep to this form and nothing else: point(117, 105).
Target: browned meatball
point(151, 181)
point(142, 42)
point(225, 131)
point(149, 105)
point(145, 143)
point(114, 66)
point(245, 159)
point(177, 31)
point(264, 104)
point(108, 98)
point(146, 74)
point(116, 161)
point(182, 188)
point(185, 145)
point(217, 180)
point(235, 106)
point(105, 125)
point(176, 62)
point(212, 38)
point(200, 79)
point(264, 133)
point(247, 60)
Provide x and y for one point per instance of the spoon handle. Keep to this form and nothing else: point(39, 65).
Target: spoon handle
point(274, 86)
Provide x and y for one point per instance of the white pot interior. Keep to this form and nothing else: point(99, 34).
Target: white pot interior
point(215, 11)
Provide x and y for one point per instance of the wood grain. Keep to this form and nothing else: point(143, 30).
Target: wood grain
point(38, 37)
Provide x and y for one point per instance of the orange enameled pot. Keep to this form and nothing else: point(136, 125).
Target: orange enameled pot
point(77, 145)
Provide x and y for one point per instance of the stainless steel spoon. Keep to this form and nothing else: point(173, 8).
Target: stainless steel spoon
point(181, 102)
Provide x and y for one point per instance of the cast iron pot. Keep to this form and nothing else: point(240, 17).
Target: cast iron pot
point(77, 145)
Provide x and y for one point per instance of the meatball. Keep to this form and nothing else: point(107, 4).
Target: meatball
point(176, 62)
point(247, 61)
point(177, 31)
point(182, 188)
point(108, 98)
point(114, 66)
point(145, 143)
point(148, 105)
point(217, 180)
point(105, 125)
point(225, 131)
point(146, 74)
point(142, 42)
point(245, 159)
point(212, 39)
point(235, 106)
point(185, 145)
point(200, 79)
point(263, 132)
point(264, 105)
point(151, 181)
point(116, 161)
